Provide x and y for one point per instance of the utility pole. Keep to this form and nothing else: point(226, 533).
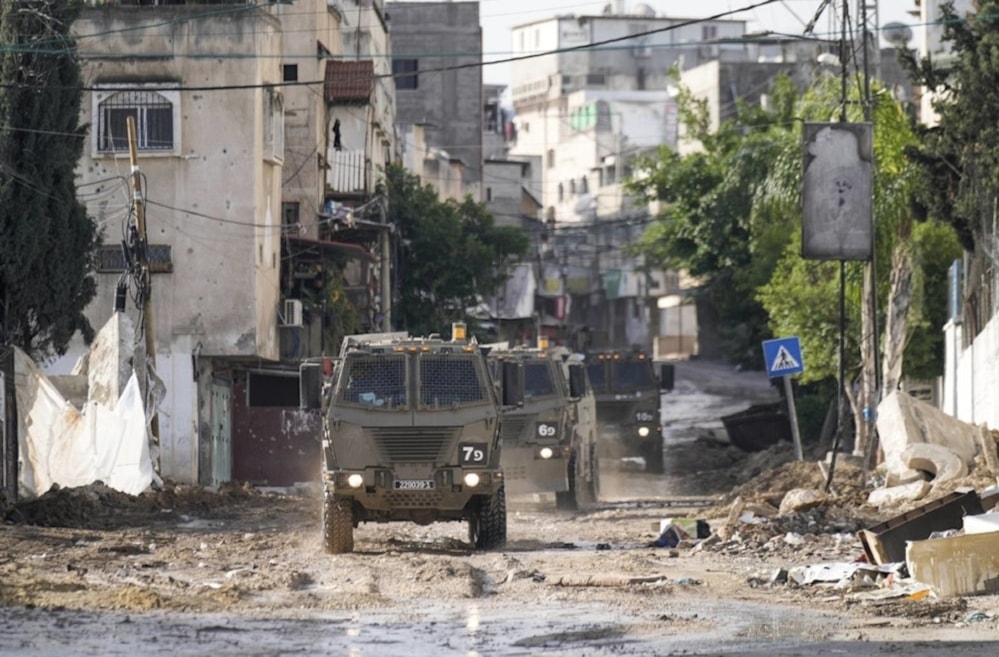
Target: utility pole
point(147, 306)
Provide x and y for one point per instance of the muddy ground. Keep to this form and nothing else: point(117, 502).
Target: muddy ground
point(241, 571)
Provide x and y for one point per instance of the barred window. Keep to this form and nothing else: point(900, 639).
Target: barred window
point(538, 380)
point(379, 382)
point(449, 380)
point(153, 114)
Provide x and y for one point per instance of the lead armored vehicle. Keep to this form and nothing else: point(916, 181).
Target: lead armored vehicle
point(549, 441)
point(411, 432)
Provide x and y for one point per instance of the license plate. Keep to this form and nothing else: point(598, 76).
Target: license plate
point(414, 484)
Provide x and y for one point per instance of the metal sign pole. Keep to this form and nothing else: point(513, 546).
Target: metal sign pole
point(792, 413)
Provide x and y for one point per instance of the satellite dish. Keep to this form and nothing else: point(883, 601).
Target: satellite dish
point(897, 34)
point(644, 10)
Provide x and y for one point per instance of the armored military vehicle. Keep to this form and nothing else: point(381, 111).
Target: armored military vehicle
point(628, 393)
point(549, 441)
point(411, 432)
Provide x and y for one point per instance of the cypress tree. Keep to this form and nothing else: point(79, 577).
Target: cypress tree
point(47, 241)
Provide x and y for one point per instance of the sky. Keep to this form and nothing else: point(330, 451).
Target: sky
point(497, 17)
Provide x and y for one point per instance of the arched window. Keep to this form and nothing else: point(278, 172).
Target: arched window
point(153, 114)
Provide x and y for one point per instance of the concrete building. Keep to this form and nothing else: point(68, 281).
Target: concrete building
point(210, 145)
point(436, 57)
point(258, 139)
point(601, 97)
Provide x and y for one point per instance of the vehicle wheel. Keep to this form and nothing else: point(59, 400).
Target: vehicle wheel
point(338, 524)
point(566, 499)
point(595, 476)
point(654, 458)
point(586, 487)
point(487, 523)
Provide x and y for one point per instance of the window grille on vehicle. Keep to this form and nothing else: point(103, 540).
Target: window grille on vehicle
point(538, 380)
point(377, 382)
point(598, 377)
point(632, 376)
point(450, 379)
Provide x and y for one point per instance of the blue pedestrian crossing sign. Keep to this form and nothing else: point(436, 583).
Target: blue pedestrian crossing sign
point(783, 356)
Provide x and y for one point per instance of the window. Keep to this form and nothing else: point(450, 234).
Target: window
point(290, 73)
point(289, 217)
point(551, 158)
point(709, 32)
point(153, 112)
point(274, 126)
point(406, 72)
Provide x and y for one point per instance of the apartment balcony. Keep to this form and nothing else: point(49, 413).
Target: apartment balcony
point(349, 173)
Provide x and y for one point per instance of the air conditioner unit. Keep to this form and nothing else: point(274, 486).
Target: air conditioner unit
point(292, 315)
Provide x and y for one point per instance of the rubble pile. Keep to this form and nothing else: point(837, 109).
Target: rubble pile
point(98, 506)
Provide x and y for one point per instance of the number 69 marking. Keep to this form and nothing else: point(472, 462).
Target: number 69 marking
point(546, 430)
point(472, 453)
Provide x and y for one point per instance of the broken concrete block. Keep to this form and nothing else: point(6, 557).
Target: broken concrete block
point(944, 463)
point(881, 497)
point(801, 499)
point(982, 524)
point(904, 420)
point(957, 565)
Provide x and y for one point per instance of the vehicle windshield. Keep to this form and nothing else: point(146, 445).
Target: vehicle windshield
point(538, 380)
point(446, 381)
point(629, 376)
point(378, 382)
point(598, 378)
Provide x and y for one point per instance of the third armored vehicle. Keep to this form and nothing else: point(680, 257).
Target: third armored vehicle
point(411, 433)
point(628, 394)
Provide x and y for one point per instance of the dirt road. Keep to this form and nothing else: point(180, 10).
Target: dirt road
point(187, 571)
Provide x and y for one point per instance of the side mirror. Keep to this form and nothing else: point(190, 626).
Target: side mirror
point(577, 381)
point(513, 383)
point(310, 386)
point(666, 376)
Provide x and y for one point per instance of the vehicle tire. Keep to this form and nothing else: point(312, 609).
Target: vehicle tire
point(586, 487)
point(487, 523)
point(338, 524)
point(566, 500)
point(594, 475)
point(654, 457)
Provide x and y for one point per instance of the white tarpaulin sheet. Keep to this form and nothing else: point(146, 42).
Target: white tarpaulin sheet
point(60, 444)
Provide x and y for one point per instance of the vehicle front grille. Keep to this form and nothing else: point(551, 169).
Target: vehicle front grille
point(616, 413)
point(413, 444)
point(429, 499)
point(512, 427)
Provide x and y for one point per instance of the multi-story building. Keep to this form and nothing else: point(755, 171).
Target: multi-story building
point(598, 95)
point(242, 114)
point(436, 63)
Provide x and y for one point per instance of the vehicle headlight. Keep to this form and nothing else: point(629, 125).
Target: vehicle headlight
point(472, 479)
point(643, 431)
point(546, 453)
point(355, 480)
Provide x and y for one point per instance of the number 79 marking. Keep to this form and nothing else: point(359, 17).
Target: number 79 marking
point(472, 453)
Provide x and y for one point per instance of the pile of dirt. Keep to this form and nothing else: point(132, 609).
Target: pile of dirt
point(98, 506)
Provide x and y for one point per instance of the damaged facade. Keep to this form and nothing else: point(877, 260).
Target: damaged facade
point(241, 156)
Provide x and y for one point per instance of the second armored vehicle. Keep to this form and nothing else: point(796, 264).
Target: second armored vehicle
point(549, 441)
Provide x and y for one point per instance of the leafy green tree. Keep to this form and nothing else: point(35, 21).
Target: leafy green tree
point(47, 241)
point(801, 297)
point(451, 254)
point(706, 226)
point(958, 154)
